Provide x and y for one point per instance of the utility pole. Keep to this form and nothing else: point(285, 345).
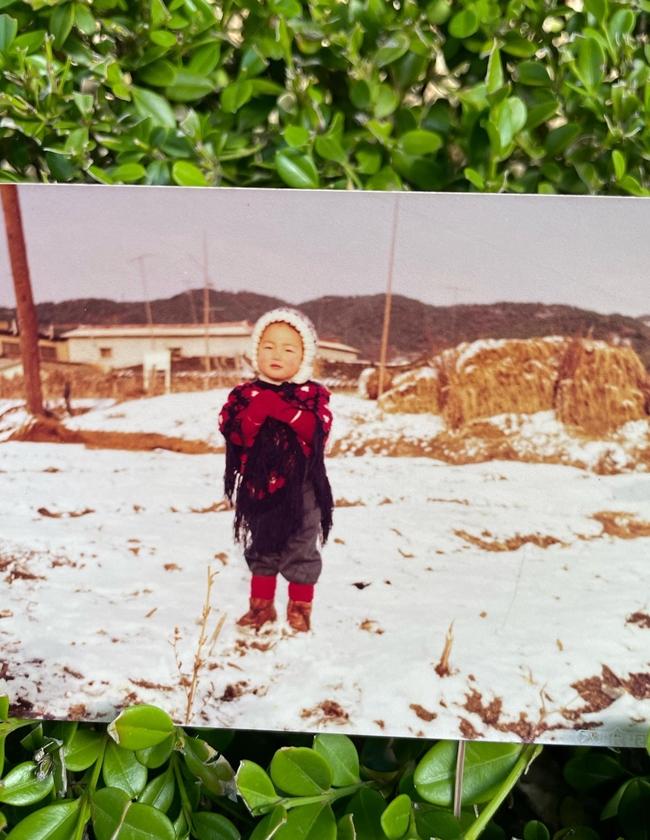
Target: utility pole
point(147, 303)
point(25, 309)
point(388, 302)
point(206, 307)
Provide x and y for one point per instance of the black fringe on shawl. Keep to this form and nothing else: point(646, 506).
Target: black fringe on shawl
point(266, 524)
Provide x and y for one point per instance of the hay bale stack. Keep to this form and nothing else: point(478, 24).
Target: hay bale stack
point(600, 386)
point(415, 391)
point(494, 376)
point(368, 386)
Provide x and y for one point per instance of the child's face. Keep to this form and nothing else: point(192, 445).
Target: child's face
point(280, 352)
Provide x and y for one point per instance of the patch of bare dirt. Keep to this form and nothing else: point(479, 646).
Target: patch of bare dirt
point(422, 713)
point(347, 503)
point(510, 543)
point(371, 626)
point(467, 730)
point(151, 685)
point(618, 523)
point(327, 711)
point(66, 514)
point(233, 691)
point(50, 430)
point(640, 618)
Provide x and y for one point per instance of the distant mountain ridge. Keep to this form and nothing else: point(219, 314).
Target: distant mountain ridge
point(415, 327)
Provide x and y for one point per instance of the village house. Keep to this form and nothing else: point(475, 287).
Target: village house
point(127, 345)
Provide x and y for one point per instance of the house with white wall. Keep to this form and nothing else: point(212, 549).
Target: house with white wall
point(125, 345)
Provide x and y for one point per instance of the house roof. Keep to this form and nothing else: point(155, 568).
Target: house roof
point(228, 328)
point(239, 329)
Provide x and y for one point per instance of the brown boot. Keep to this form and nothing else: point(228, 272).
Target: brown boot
point(260, 612)
point(298, 614)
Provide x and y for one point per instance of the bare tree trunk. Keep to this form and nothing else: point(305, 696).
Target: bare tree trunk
point(25, 309)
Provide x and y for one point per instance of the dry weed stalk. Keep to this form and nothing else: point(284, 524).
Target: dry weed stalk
point(442, 668)
point(204, 649)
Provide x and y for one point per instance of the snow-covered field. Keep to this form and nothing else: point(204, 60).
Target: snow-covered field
point(103, 553)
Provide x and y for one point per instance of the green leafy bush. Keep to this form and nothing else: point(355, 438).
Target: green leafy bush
point(141, 777)
point(522, 96)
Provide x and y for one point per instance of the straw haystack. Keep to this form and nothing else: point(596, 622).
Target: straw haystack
point(416, 391)
point(601, 386)
point(368, 386)
point(495, 376)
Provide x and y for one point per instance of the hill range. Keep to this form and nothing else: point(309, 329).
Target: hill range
point(416, 328)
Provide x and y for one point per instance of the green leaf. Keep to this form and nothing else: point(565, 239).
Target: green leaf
point(54, 822)
point(121, 769)
point(300, 771)
point(159, 73)
point(309, 822)
point(463, 24)
point(61, 22)
point(345, 829)
point(385, 179)
point(420, 142)
point(533, 73)
point(632, 186)
point(211, 826)
point(255, 787)
point(296, 170)
point(114, 816)
point(206, 764)
point(270, 825)
point(618, 161)
point(21, 787)
point(369, 159)
point(591, 63)
point(235, 95)
point(366, 807)
point(622, 23)
point(494, 76)
point(508, 117)
point(633, 810)
point(153, 757)
point(598, 8)
point(296, 135)
point(205, 58)
point(158, 12)
point(152, 105)
point(514, 44)
point(438, 11)
point(360, 95)
point(84, 102)
point(329, 148)
point(486, 766)
point(8, 30)
point(559, 138)
point(535, 830)
point(474, 178)
point(159, 792)
point(188, 87)
point(341, 756)
point(84, 21)
point(386, 101)
point(396, 818)
point(84, 748)
point(163, 38)
point(29, 41)
point(592, 768)
point(187, 174)
point(128, 173)
point(392, 49)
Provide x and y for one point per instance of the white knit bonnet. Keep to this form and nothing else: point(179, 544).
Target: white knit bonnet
point(304, 327)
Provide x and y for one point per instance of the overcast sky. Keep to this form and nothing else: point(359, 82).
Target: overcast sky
point(83, 241)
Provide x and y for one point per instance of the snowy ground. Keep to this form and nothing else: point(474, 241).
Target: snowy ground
point(104, 553)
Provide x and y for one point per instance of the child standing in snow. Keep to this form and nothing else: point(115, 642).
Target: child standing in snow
point(276, 427)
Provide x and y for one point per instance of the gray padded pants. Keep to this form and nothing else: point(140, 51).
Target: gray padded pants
point(300, 560)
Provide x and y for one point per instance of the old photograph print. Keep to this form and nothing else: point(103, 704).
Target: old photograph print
point(487, 358)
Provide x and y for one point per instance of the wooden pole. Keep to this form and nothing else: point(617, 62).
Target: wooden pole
point(206, 311)
point(388, 302)
point(25, 309)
